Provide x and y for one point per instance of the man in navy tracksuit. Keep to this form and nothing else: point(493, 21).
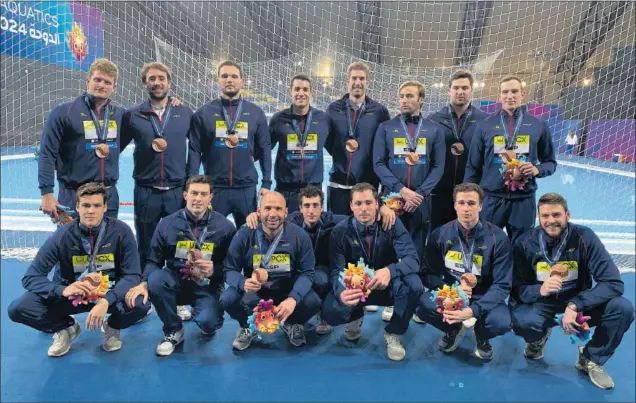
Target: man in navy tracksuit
point(592, 287)
point(408, 157)
point(354, 122)
point(458, 120)
point(92, 243)
point(81, 142)
point(301, 132)
point(285, 251)
point(469, 245)
point(170, 276)
point(228, 135)
point(159, 130)
point(393, 258)
point(511, 131)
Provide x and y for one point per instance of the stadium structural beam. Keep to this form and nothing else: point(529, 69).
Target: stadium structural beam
point(370, 30)
point(596, 22)
point(475, 19)
point(269, 22)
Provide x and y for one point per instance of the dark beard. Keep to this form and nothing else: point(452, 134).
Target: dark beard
point(230, 94)
point(157, 99)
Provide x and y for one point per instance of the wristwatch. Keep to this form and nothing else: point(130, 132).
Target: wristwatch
point(572, 306)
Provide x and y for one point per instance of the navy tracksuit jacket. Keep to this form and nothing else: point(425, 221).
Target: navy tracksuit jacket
point(455, 131)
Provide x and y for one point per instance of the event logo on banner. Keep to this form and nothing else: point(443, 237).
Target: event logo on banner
point(65, 33)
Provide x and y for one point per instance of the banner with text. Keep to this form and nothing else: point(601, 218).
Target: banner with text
point(65, 33)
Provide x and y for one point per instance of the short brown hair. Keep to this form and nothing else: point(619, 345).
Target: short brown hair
point(157, 66)
point(459, 74)
point(420, 87)
point(229, 63)
point(363, 187)
point(198, 179)
point(509, 78)
point(104, 66)
point(553, 198)
point(302, 77)
point(469, 187)
point(90, 189)
point(310, 191)
point(357, 66)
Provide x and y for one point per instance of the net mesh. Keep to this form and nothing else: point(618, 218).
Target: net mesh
point(577, 61)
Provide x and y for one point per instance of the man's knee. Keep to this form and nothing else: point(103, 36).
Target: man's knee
point(159, 281)
point(498, 321)
point(525, 317)
point(23, 306)
point(621, 307)
point(231, 297)
point(209, 319)
point(311, 302)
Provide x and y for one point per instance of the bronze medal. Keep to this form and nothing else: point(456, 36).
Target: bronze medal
point(412, 158)
point(231, 141)
point(508, 156)
point(159, 145)
point(457, 149)
point(102, 150)
point(352, 145)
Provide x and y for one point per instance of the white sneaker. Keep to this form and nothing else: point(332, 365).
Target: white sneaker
point(417, 319)
point(112, 338)
point(183, 313)
point(169, 343)
point(63, 339)
point(387, 313)
point(353, 330)
point(394, 348)
point(371, 308)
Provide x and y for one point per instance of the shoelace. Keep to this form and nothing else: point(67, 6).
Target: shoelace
point(296, 331)
point(392, 339)
point(244, 334)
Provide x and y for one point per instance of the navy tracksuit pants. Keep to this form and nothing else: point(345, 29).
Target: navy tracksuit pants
point(403, 294)
point(239, 304)
point(51, 316)
point(151, 205)
point(491, 324)
point(167, 290)
point(611, 319)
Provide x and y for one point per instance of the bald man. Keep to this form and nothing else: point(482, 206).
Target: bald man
point(285, 251)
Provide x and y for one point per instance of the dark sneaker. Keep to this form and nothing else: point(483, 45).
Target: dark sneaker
point(534, 350)
point(484, 349)
point(244, 337)
point(449, 342)
point(295, 333)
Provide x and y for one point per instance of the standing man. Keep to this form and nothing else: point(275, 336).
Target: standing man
point(81, 142)
point(458, 120)
point(194, 229)
point(93, 244)
point(226, 135)
point(469, 245)
point(592, 287)
point(301, 132)
point(509, 150)
point(390, 254)
point(408, 157)
point(354, 121)
point(285, 251)
point(159, 131)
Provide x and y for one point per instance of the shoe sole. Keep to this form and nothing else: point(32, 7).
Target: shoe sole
point(352, 338)
point(386, 318)
point(584, 371)
point(167, 354)
point(244, 348)
point(323, 332)
point(478, 355)
point(547, 336)
point(396, 358)
point(112, 349)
